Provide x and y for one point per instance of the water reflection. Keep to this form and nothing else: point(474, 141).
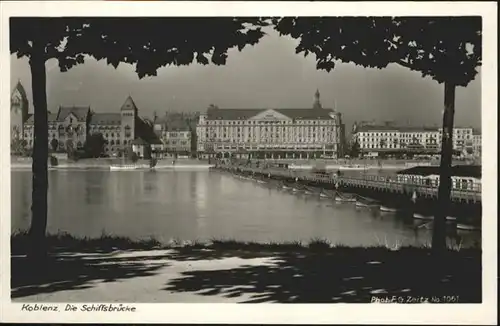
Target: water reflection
point(203, 205)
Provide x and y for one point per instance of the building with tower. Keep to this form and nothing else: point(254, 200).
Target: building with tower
point(71, 125)
point(271, 133)
point(19, 107)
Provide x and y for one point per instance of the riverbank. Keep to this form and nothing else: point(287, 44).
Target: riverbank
point(114, 269)
point(106, 163)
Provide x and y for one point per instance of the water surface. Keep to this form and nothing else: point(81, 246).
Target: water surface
point(202, 205)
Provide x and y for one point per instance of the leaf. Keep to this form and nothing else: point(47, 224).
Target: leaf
point(434, 46)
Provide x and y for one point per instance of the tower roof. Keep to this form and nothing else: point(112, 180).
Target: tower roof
point(317, 101)
point(20, 88)
point(129, 104)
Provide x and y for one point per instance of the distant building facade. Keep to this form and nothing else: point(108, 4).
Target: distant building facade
point(374, 139)
point(71, 125)
point(175, 134)
point(270, 133)
point(477, 143)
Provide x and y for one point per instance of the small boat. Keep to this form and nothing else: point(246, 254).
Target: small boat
point(388, 209)
point(123, 167)
point(323, 195)
point(345, 199)
point(310, 191)
point(365, 204)
point(285, 187)
point(451, 218)
point(467, 227)
point(422, 217)
point(261, 181)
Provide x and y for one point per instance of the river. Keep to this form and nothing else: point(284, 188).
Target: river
point(203, 205)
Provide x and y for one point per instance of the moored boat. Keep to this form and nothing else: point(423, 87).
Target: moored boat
point(345, 199)
point(360, 203)
point(422, 217)
point(388, 209)
point(466, 227)
point(123, 167)
point(325, 195)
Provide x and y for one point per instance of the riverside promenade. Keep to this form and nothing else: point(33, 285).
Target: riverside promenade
point(371, 183)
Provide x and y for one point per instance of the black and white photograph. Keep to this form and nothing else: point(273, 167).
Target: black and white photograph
point(176, 155)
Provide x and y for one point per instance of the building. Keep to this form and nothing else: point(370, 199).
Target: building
point(462, 139)
point(476, 143)
point(465, 177)
point(270, 133)
point(71, 125)
point(19, 107)
point(175, 133)
point(375, 139)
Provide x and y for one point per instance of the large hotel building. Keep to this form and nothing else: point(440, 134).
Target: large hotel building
point(375, 139)
point(271, 133)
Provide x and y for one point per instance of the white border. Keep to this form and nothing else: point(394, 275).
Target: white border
point(271, 313)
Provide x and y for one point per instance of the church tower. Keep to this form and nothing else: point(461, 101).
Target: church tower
point(317, 101)
point(18, 111)
point(128, 121)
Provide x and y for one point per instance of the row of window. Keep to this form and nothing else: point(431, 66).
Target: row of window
point(261, 129)
point(273, 122)
point(269, 140)
point(260, 147)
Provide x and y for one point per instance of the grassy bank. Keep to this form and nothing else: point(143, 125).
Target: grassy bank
point(83, 270)
point(67, 242)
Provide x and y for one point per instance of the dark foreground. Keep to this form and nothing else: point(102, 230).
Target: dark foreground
point(229, 271)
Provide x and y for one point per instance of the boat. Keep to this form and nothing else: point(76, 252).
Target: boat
point(388, 209)
point(297, 189)
point(352, 167)
point(123, 167)
point(422, 217)
point(451, 218)
point(365, 204)
point(310, 191)
point(345, 199)
point(285, 187)
point(467, 227)
point(324, 195)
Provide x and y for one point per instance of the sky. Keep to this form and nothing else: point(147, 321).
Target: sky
point(267, 75)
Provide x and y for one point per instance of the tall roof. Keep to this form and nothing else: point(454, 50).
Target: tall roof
point(52, 117)
point(364, 128)
point(55, 117)
point(105, 119)
point(177, 125)
point(243, 114)
point(317, 100)
point(81, 112)
point(20, 88)
point(129, 104)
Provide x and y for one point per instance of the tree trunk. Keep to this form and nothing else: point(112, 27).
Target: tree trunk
point(444, 191)
point(40, 152)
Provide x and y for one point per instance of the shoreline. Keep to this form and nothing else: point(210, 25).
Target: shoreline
point(106, 165)
point(113, 269)
point(67, 242)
